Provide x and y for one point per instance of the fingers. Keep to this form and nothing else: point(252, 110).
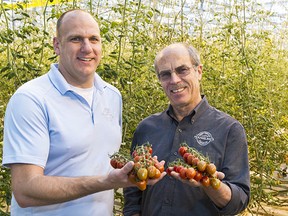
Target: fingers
point(154, 181)
point(220, 175)
point(191, 182)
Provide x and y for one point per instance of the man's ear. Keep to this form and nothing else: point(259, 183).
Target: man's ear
point(199, 71)
point(56, 45)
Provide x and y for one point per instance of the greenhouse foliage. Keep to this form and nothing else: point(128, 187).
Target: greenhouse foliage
point(244, 53)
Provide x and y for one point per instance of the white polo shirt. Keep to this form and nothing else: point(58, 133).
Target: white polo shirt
point(50, 125)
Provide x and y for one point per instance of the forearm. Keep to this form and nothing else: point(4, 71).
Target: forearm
point(46, 190)
point(32, 188)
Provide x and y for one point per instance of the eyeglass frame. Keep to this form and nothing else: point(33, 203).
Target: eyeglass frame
point(177, 71)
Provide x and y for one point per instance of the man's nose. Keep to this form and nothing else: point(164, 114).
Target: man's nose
point(86, 46)
point(174, 77)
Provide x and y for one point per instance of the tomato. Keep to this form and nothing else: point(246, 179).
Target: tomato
point(134, 153)
point(137, 166)
point(190, 173)
point(195, 161)
point(177, 168)
point(211, 169)
point(215, 183)
point(159, 166)
point(113, 163)
point(201, 166)
point(132, 177)
point(169, 170)
point(205, 181)
point(183, 173)
point(120, 164)
point(149, 149)
point(141, 185)
point(151, 171)
point(182, 150)
point(198, 176)
point(185, 156)
point(142, 173)
point(149, 163)
point(157, 174)
point(190, 159)
point(137, 158)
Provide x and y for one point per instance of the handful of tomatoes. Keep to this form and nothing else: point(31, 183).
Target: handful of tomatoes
point(145, 165)
point(194, 165)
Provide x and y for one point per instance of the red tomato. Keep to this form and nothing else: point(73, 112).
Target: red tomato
point(183, 173)
point(137, 158)
point(205, 181)
point(195, 161)
point(182, 150)
point(178, 168)
point(120, 164)
point(185, 156)
point(134, 153)
point(169, 170)
point(198, 176)
point(190, 173)
point(150, 150)
point(190, 159)
point(113, 163)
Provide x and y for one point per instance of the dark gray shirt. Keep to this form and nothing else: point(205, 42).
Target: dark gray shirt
point(213, 133)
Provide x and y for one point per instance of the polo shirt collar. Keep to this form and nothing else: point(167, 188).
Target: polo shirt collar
point(195, 113)
point(63, 86)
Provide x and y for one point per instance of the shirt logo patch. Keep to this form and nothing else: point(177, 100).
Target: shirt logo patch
point(204, 138)
point(107, 113)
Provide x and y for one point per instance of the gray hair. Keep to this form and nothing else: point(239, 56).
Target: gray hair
point(193, 53)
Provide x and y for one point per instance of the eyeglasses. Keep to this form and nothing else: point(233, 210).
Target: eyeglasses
point(181, 71)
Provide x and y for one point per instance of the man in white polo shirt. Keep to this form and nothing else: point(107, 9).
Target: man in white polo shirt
point(61, 127)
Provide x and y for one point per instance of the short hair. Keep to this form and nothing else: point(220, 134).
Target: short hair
point(193, 53)
point(60, 19)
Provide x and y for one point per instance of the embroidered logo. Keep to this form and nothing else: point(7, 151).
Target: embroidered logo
point(204, 138)
point(107, 113)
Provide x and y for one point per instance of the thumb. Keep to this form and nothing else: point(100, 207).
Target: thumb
point(128, 167)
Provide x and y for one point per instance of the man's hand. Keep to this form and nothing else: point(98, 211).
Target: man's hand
point(193, 182)
point(119, 177)
point(220, 196)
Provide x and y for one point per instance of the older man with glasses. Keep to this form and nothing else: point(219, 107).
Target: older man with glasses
point(189, 118)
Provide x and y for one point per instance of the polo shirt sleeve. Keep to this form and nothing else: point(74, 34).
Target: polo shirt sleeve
point(26, 136)
point(236, 169)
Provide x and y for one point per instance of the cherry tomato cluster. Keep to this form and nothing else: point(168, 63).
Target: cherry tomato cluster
point(118, 160)
point(195, 166)
point(145, 165)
